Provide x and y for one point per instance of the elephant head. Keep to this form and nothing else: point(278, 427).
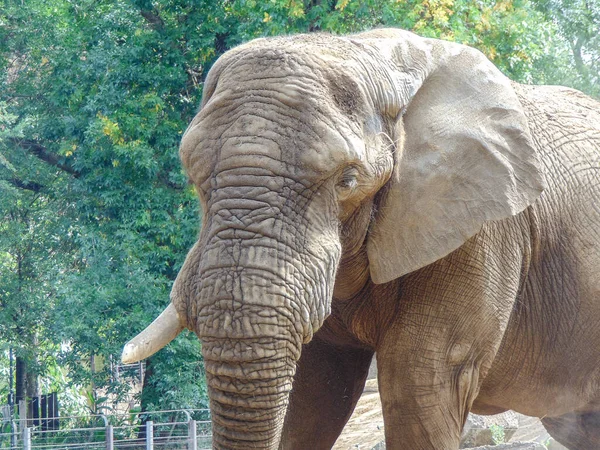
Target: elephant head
point(322, 162)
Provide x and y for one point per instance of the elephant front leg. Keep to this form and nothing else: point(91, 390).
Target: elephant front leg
point(451, 319)
point(329, 381)
point(425, 400)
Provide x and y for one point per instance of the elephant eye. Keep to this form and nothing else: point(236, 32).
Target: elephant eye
point(349, 179)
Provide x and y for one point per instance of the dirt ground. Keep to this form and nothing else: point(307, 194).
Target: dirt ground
point(364, 430)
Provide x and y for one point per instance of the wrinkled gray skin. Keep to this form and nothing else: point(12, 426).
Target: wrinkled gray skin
point(392, 194)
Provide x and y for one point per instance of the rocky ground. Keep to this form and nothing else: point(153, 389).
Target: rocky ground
point(508, 431)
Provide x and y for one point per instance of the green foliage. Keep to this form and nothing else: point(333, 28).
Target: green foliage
point(4, 370)
point(96, 215)
point(578, 24)
point(498, 434)
point(176, 366)
point(512, 33)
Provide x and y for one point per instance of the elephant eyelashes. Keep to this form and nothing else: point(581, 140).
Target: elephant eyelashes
point(349, 179)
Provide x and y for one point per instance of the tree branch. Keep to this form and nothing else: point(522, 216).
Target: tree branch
point(27, 185)
point(42, 153)
point(576, 47)
point(153, 19)
point(164, 179)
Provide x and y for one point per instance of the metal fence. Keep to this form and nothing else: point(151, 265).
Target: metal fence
point(176, 429)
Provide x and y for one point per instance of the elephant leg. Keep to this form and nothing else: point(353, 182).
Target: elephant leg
point(329, 381)
point(575, 430)
point(449, 324)
point(425, 402)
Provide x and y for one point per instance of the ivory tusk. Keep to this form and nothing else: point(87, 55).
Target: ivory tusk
point(158, 334)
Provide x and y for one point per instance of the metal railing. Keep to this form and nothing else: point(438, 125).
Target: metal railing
point(175, 429)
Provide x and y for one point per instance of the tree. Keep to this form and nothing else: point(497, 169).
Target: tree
point(98, 214)
point(33, 228)
point(578, 24)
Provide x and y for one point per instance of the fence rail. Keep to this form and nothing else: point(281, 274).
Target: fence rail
point(174, 429)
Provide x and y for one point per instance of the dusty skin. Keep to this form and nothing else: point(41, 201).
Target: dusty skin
point(387, 193)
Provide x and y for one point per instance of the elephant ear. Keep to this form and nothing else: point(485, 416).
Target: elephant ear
point(467, 156)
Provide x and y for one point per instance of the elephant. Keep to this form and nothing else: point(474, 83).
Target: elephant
point(392, 195)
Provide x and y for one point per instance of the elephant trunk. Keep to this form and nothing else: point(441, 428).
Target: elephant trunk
point(250, 349)
point(248, 400)
point(257, 301)
point(256, 286)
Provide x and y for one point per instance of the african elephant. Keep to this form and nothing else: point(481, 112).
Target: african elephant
point(385, 193)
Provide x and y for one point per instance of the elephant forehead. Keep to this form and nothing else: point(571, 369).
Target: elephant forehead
point(280, 124)
point(337, 146)
point(321, 151)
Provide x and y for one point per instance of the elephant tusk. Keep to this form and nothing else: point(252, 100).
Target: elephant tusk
point(158, 334)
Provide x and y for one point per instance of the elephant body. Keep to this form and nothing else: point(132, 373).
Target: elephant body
point(555, 315)
point(534, 275)
point(392, 195)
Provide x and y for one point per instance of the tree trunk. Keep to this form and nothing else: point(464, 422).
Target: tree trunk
point(33, 386)
point(27, 386)
point(21, 379)
point(146, 392)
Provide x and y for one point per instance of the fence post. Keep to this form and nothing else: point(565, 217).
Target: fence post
point(149, 435)
point(192, 439)
point(109, 438)
point(14, 430)
point(22, 415)
point(26, 438)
